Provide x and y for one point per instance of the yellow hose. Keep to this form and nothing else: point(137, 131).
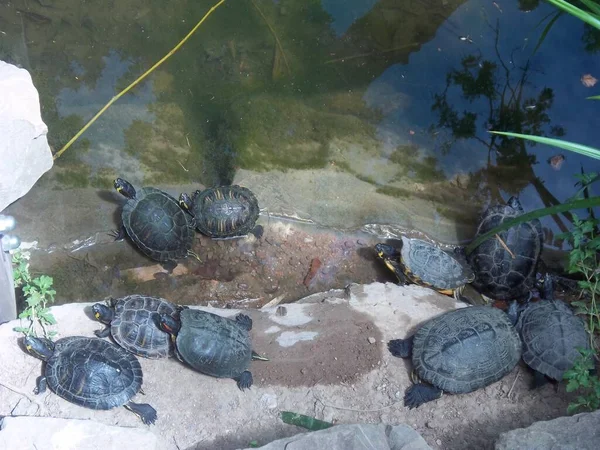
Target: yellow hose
point(132, 85)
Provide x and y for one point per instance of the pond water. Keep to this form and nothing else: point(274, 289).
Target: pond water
point(345, 113)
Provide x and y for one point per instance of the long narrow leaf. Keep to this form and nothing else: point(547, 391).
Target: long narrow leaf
point(566, 145)
point(593, 7)
point(577, 204)
point(595, 97)
point(546, 30)
point(575, 11)
point(300, 420)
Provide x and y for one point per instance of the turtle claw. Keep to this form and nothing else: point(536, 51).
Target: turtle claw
point(119, 234)
point(420, 393)
point(244, 381)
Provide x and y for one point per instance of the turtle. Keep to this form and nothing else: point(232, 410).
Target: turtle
point(90, 372)
point(505, 266)
point(425, 264)
point(223, 212)
point(212, 344)
point(155, 223)
point(458, 352)
point(551, 335)
point(131, 323)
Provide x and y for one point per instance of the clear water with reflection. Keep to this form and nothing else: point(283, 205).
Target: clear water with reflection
point(398, 94)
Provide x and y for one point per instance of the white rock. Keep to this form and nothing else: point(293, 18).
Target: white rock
point(70, 434)
point(24, 149)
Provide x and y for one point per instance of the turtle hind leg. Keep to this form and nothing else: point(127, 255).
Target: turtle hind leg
point(244, 321)
point(539, 380)
point(421, 393)
point(401, 348)
point(144, 411)
point(169, 266)
point(244, 381)
point(258, 231)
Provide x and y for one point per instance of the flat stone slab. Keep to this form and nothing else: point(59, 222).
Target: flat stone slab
point(69, 434)
point(327, 359)
point(356, 437)
point(578, 432)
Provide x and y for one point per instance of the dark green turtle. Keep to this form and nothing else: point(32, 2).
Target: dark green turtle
point(132, 325)
point(155, 223)
point(459, 352)
point(223, 212)
point(213, 345)
point(505, 265)
point(423, 263)
point(551, 335)
point(90, 372)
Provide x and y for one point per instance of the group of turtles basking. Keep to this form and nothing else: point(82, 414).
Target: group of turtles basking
point(456, 352)
point(97, 374)
point(469, 348)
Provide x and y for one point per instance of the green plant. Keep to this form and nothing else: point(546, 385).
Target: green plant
point(584, 260)
point(580, 377)
point(38, 295)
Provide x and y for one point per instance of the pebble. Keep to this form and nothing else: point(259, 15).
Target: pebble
point(243, 286)
point(281, 311)
point(372, 340)
point(438, 442)
point(221, 244)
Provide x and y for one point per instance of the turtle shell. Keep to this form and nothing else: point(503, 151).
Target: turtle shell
point(93, 373)
point(426, 264)
point(466, 349)
point(500, 273)
point(157, 225)
point(213, 345)
point(133, 326)
point(225, 211)
point(551, 334)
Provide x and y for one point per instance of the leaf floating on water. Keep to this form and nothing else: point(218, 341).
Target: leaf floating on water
point(557, 161)
point(588, 80)
point(300, 420)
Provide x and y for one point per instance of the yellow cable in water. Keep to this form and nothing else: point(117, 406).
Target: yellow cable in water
point(132, 85)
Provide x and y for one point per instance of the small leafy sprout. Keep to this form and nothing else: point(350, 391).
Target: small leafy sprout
point(38, 294)
point(580, 377)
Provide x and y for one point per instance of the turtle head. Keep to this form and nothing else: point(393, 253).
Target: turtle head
point(124, 188)
point(41, 348)
point(103, 313)
point(385, 251)
point(167, 324)
point(515, 204)
point(185, 202)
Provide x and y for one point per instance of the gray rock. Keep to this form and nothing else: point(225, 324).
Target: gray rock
point(67, 434)
point(354, 437)
point(578, 432)
point(24, 149)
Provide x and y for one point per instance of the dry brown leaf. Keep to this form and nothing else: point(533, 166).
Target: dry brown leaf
point(588, 80)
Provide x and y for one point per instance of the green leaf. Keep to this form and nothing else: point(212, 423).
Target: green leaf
point(21, 329)
point(310, 423)
point(579, 13)
point(48, 318)
point(565, 145)
point(573, 407)
point(595, 97)
point(577, 204)
point(572, 385)
point(546, 30)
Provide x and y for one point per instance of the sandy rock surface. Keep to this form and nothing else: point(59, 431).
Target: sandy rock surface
point(328, 359)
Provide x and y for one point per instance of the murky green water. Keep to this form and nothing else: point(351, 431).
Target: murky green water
point(397, 95)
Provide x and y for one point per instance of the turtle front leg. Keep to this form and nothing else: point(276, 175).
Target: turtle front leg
point(244, 381)
point(421, 393)
point(41, 385)
point(119, 234)
point(144, 411)
point(244, 321)
point(103, 333)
